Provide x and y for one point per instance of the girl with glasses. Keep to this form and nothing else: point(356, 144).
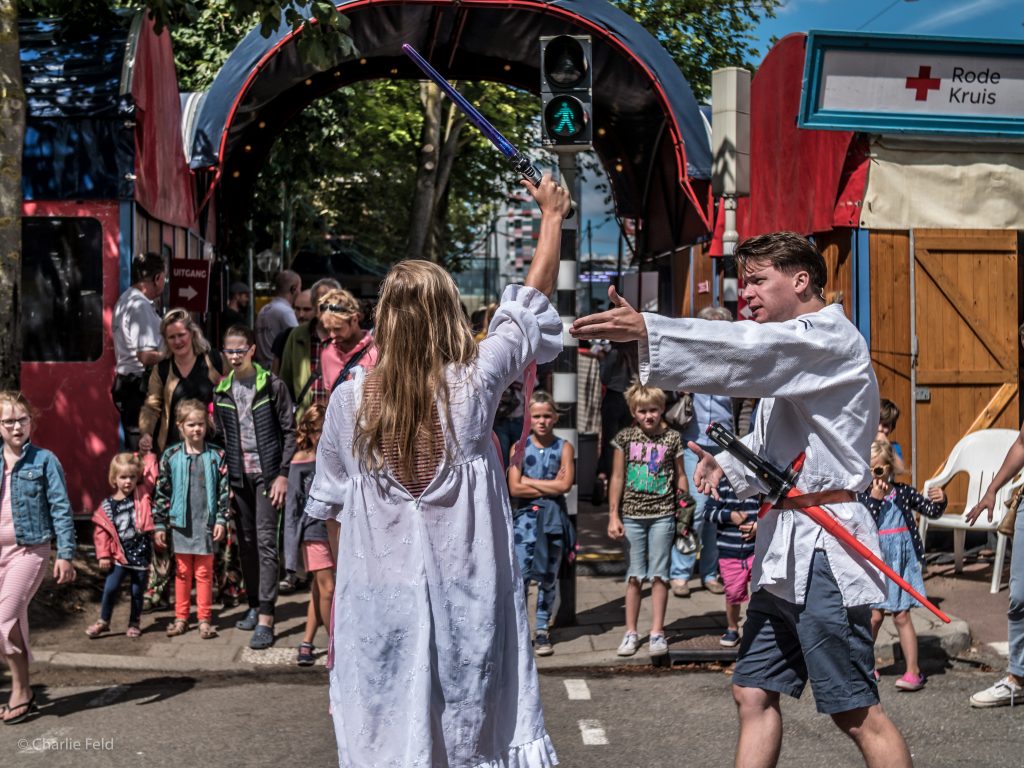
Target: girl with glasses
point(893, 506)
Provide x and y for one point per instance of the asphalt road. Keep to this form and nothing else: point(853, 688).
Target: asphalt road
point(597, 718)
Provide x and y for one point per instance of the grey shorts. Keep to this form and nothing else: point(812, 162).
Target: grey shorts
point(785, 644)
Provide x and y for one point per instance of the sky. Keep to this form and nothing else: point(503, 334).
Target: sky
point(1001, 19)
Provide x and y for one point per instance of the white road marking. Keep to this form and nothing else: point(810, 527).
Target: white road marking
point(1003, 648)
point(577, 689)
point(593, 733)
point(108, 697)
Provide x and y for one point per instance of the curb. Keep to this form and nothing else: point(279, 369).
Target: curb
point(954, 641)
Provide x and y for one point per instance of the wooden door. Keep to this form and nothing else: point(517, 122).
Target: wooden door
point(966, 366)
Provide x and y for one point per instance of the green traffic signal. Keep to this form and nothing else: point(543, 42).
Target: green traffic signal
point(565, 117)
point(566, 77)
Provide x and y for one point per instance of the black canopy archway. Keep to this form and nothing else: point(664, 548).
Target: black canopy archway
point(654, 143)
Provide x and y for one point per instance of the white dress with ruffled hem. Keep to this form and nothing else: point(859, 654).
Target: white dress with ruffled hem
point(432, 658)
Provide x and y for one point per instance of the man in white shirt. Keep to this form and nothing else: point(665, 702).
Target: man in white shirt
point(810, 614)
point(277, 315)
point(136, 330)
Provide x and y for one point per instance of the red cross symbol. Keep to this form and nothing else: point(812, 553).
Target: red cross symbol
point(923, 83)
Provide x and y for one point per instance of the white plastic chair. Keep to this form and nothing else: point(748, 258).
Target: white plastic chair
point(979, 454)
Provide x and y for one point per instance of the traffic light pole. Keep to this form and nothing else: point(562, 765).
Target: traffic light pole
point(564, 376)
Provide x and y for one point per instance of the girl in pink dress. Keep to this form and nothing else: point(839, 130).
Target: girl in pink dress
point(34, 509)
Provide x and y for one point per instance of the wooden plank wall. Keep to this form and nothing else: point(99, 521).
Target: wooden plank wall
point(965, 282)
point(890, 327)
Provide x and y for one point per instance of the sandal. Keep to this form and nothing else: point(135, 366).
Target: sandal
point(207, 631)
point(97, 629)
point(133, 631)
point(177, 627)
point(30, 710)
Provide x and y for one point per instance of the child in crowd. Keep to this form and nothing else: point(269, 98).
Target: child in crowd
point(888, 415)
point(253, 414)
point(893, 505)
point(192, 500)
point(33, 486)
point(736, 521)
point(313, 534)
point(122, 528)
point(647, 473)
point(543, 533)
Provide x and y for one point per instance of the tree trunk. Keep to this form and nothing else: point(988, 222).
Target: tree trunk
point(454, 124)
point(12, 134)
point(422, 211)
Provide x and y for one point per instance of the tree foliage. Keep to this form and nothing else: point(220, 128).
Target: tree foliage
point(703, 35)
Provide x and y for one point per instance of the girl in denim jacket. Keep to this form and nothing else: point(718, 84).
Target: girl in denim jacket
point(34, 510)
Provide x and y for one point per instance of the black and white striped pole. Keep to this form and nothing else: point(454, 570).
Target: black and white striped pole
point(563, 382)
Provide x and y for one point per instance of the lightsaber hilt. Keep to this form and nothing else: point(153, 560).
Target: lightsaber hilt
point(778, 482)
point(521, 164)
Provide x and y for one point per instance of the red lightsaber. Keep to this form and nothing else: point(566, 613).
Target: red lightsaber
point(783, 485)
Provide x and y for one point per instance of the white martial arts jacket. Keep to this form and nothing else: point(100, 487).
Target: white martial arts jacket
point(818, 394)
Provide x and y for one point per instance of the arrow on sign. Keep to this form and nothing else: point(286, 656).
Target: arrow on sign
point(188, 292)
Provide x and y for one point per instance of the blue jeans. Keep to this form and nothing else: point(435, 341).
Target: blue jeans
point(648, 543)
point(682, 565)
point(113, 585)
point(547, 590)
point(508, 431)
point(1015, 613)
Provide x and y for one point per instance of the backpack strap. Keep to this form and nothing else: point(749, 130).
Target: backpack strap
point(353, 361)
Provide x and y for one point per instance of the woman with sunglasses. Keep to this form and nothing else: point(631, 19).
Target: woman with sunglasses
point(893, 506)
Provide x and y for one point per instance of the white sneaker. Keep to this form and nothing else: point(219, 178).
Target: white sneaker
point(657, 646)
point(1002, 693)
point(629, 644)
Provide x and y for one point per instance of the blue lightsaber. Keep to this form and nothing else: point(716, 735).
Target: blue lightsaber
point(519, 162)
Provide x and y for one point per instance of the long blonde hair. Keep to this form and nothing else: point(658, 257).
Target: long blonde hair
point(420, 330)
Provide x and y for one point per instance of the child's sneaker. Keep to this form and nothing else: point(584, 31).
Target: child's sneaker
point(542, 644)
point(657, 646)
point(999, 695)
point(629, 644)
point(910, 682)
point(307, 655)
point(730, 639)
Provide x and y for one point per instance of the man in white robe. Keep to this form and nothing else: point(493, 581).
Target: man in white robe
point(810, 613)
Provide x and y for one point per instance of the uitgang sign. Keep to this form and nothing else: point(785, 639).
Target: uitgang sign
point(782, 485)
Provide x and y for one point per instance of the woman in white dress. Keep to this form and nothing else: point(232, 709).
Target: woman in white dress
point(432, 664)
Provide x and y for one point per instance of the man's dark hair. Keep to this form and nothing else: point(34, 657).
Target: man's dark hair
point(146, 266)
point(888, 414)
point(788, 252)
point(241, 330)
point(284, 280)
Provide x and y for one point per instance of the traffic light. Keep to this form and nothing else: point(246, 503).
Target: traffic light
point(566, 76)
